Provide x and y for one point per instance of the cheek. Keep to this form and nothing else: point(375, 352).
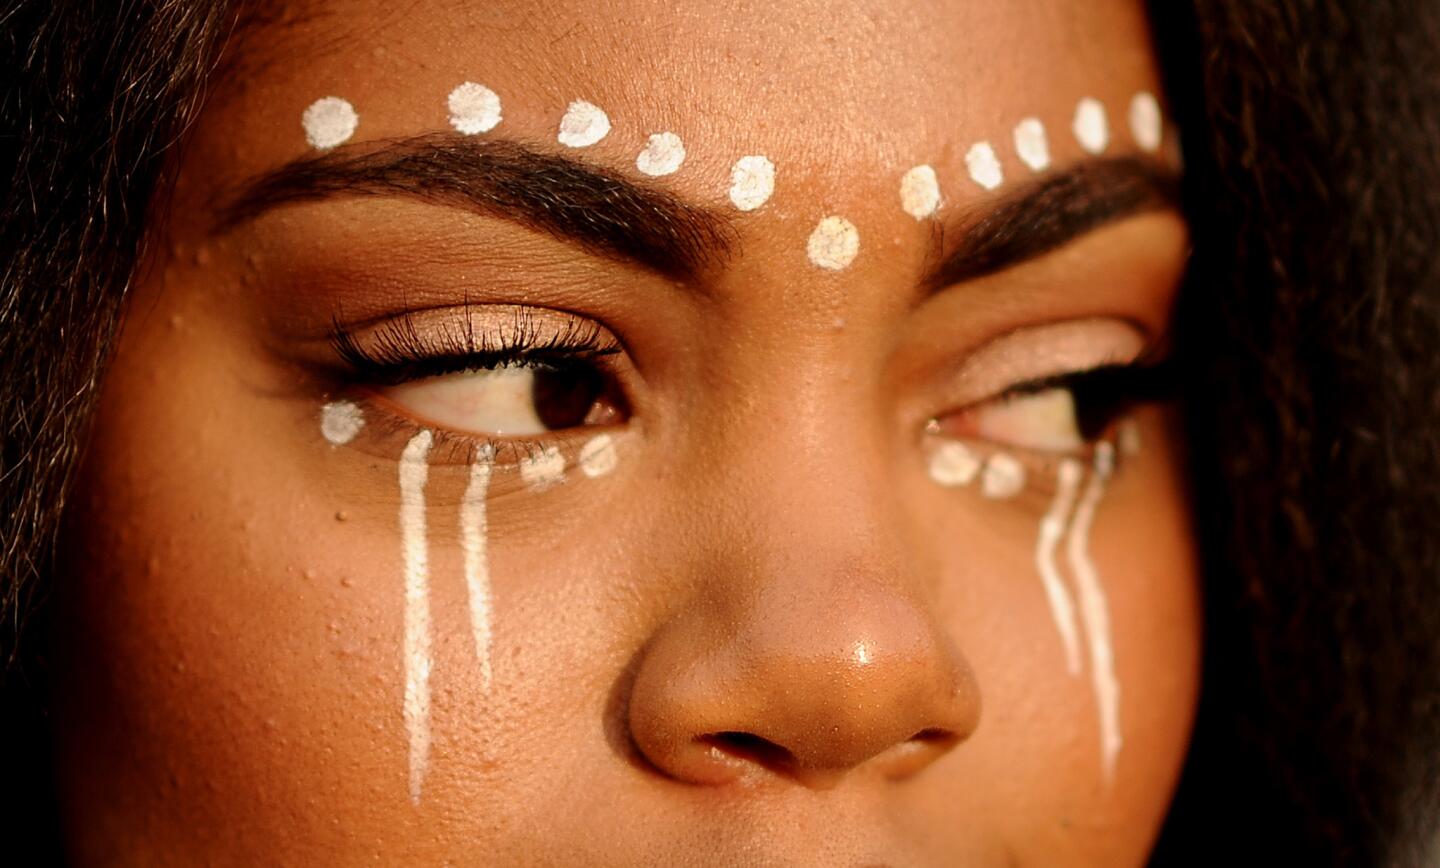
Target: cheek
point(1042, 741)
point(227, 624)
point(233, 648)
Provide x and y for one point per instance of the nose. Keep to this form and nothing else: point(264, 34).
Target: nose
point(809, 680)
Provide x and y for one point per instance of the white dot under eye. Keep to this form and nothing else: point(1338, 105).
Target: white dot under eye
point(543, 469)
point(598, 456)
point(953, 465)
point(1003, 477)
point(341, 421)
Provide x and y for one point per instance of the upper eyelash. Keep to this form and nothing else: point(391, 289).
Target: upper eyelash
point(400, 352)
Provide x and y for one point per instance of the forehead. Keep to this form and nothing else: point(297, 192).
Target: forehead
point(839, 92)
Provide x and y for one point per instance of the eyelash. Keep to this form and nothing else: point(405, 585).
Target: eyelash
point(399, 352)
point(402, 353)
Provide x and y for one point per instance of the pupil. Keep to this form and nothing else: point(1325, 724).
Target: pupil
point(564, 397)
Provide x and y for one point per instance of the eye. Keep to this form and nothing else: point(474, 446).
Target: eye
point(512, 400)
point(1060, 414)
point(1045, 421)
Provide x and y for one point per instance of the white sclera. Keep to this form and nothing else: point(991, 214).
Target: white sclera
point(834, 243)
point(984, 166)
point(953, 466)
point(1145, 122)
point(1003, 477)
point(474, 108)
point(598, 456)
point(1092, 129)
point(1032, 145)
point(328, 122)
point(920, 192)
point(752, 180)
point(583, 125)
point(663, 154)
point(340, 421)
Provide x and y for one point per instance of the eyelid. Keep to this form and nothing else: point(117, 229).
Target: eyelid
point(415, 344)
point(1029, 358)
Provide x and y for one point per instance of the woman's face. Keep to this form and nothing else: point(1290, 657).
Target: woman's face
point(483, 491)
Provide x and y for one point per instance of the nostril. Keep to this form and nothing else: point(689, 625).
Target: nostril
point(934, 735)
point(751, 748)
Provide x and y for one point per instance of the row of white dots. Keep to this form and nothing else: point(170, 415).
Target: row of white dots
point(920, 187)
point(835, 242)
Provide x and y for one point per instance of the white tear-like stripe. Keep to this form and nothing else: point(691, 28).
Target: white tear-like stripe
point(1094, 611)
point(1052, 530)
point(473, 531)
point(413, 473)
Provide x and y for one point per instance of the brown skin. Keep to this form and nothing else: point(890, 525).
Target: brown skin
point(230, 667)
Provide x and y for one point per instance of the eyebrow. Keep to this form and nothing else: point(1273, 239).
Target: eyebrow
point(1051, 213)
point(624, 219)
point(601, 211)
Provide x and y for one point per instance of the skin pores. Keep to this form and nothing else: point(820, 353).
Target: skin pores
point(231, 623)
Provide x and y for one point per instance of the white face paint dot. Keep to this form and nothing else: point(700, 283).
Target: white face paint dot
point(1129, 438)
point(1032, 145)
point(1092, 130)
point(474, 108)
point(1145, 123)
point(834, 243)
point(329, 122)
point(953, 466)
point(663, 154)
point(583, 125)
point(752, 180)
point(920, 192)
point(1002, 478)
point(340, 421)
point(984, 166)
point(598, 456)
point(544, 469)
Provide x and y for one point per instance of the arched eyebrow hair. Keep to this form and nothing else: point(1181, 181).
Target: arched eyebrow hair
point(1051, 212)
point(579, 203)
point(631, 220)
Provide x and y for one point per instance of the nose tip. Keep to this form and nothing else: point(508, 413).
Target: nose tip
point(810, 698)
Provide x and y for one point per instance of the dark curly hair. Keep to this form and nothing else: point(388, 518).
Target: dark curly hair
point(1309, 331)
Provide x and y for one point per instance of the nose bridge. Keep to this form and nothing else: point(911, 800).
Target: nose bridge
point(812, 637)
point(808, 458)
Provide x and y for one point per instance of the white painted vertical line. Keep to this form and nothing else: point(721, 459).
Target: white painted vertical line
point(473, 531)
point(1094, 611)
point(1052, 529)
point(413, 473)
